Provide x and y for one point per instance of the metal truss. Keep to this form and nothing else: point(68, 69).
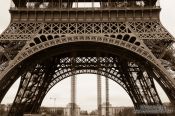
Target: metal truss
point(37, 80)
point(24, 31)
point(114, 40)
point(8, 50)
point(143, 29)
point(150, 30)
point(156, 38)
point(151, 33)
point(66, 70)
point(35, 33)
point(32, 89)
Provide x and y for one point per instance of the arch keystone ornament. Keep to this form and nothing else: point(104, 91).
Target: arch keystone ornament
point(122, 40)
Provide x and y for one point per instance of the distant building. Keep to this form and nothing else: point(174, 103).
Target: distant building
point(114, 111)
point(4, 109)
point(83, 112)
point(53, 111)
point(36, 115)
point(2, 106)
point(68, 109)
point(60, 111)
point(169, 108)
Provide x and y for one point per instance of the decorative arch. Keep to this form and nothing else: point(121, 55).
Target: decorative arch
point(113, 75)
point(137, 50)
point(39, 44)
point(108, 62)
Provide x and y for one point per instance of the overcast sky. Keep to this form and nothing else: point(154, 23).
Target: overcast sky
point(86, 92)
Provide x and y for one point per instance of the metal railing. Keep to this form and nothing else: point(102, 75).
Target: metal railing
point(83, 5)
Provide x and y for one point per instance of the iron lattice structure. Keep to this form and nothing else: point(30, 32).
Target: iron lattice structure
point(48, 41)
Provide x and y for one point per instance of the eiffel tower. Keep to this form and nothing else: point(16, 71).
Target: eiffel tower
point(50, 40)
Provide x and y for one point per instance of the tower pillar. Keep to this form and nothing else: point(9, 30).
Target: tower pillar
point(107, 96)
point(73, 95)
point(99, 99)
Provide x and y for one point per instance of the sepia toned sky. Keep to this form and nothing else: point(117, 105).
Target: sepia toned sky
point(86, 83)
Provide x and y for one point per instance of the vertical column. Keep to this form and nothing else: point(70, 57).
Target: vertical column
point(99, 100)
point(107, 96)
point(73, 95)
point(73, 89)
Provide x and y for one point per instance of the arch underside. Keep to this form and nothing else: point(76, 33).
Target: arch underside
point(40, 72)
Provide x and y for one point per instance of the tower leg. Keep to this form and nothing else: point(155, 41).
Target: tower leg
point(141, 87)
point(33, 88)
